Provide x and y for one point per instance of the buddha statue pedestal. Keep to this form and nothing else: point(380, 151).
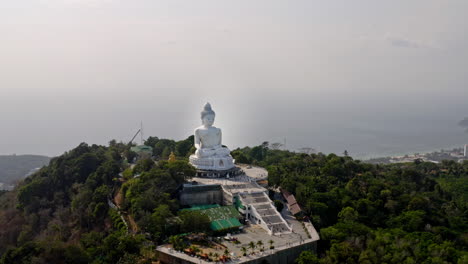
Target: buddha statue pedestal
point(215, 167)
point(212, 159)
point(212, 163)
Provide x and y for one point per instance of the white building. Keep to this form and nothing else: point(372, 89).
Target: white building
point(255, 205)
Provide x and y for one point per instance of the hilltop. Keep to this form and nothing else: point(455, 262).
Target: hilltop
point(365, 213)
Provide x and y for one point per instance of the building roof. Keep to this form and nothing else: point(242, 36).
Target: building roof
point(225, 224)
point(142, 148)
point(285, 193)
point(223, 212)
point(295, 209)
point(292, 202)
point(195, 188)
point(221, 217)
point(215, 211)
point(201, 207)
point(291, 199)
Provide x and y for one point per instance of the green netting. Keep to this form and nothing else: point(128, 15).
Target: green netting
point(216, 226)
point(201, 207)
point(238, 203)
point(221, 217)
point(142, 148)
point(224, 212)
point(234, 222)
point(225, 224)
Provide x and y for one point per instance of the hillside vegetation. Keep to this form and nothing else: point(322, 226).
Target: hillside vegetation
point(61, 214)
point(399, 213)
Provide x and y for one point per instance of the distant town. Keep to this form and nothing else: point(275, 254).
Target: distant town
point(456, 154)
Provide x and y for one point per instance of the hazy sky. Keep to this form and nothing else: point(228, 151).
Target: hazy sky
point(325, 74)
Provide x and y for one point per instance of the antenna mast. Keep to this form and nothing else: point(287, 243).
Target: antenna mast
point(141, 132)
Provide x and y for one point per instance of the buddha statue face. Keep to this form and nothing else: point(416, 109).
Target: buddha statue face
point(207, 115)
point(208, 120)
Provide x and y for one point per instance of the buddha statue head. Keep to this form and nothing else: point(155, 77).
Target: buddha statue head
point(207, 115)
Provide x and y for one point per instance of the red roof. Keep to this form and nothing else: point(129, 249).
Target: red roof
point(285, 193)
point(292, 202)
point(295, 209)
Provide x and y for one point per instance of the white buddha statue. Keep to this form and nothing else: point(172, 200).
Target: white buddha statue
point(210, 153)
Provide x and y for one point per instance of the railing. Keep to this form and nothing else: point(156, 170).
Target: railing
point(115, 207)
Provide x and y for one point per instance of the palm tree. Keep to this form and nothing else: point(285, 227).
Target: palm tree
point(226, 252)
point(260, 245)
point(252, 246)
point(271, 244)
point(195, 249)
point(172, 240)
point(244, 251)
point(216, 257)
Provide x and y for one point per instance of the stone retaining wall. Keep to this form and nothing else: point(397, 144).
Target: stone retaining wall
point(283, 255)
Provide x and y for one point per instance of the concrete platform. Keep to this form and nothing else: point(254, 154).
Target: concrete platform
point(254, 172)
point(287, 246)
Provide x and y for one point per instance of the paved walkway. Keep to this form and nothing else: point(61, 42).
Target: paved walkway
point(257, 173)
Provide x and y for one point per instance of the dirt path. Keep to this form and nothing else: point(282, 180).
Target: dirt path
point(118, 200)
point(133, 225)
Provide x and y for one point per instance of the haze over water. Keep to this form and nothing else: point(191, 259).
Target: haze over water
point(370, 77)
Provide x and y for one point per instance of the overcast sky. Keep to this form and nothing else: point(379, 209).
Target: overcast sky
point(91, 70)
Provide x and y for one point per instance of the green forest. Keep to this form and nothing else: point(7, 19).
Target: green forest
point(399, 213)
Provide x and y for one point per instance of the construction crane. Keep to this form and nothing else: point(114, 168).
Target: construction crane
point(140, 131)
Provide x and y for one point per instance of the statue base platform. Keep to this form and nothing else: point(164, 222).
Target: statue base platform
point(233, 172)
point(212, 163)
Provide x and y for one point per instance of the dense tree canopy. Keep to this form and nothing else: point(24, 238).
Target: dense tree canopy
point(61, 214)
point(150, 197)
point(400, 213)
point(162, 148)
